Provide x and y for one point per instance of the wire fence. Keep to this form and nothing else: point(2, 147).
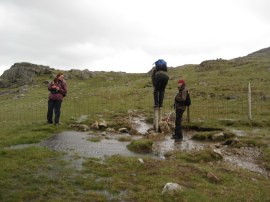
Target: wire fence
point(29, 110)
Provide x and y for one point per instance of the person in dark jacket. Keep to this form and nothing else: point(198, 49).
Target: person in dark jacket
point(180, 107)
point(160, 79)
point(58, 90)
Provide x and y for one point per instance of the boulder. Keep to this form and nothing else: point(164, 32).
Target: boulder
point(123, 130)
point(171, 187)
point(95, 126)
point(102, 124)
point(23, 74)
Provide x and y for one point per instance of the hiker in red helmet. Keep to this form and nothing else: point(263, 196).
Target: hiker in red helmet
point(180, 107)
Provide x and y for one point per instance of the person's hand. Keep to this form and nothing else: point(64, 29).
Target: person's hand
point(55, 87)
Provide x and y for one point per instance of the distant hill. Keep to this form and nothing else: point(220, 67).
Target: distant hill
point(265, 52)
point(24, 73)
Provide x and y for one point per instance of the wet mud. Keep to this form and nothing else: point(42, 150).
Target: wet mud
point(78, 145)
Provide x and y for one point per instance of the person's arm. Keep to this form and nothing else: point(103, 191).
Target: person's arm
point(153, 76)
point(51, 86)
point(181, 97)
point(63, 88)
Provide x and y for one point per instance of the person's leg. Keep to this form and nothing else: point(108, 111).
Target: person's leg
point(161, 97)
point(155, 98)
point(163, 81)
point(57, 111)
point(50, 111)
point(178, 124)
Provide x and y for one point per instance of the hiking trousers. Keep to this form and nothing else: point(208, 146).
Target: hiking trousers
point(178, 123)
point(161, 81)
point(54, 106)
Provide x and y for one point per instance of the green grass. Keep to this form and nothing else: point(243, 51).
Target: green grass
point(139, 182)
point(219, 104)
point(15, 134)
point(94, 139)
point(141, 146)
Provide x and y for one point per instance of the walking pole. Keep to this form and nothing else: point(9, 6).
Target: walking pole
point(169, 115)
point(188, 115)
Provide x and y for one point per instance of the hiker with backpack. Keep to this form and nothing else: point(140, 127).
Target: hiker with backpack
point(160, 79)
point(58, 90)
point(181, 101)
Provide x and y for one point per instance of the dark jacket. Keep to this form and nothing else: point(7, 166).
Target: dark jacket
point(57, 94)
point(158, 74)
point(180, 98)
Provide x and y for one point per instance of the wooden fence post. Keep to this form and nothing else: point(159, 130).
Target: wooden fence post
point(188, 114)
point(249, 102)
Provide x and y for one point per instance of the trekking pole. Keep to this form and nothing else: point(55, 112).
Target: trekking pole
point(188, 115)
point(169, 115)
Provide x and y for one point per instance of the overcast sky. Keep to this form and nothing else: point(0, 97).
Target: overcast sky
point(129, 35)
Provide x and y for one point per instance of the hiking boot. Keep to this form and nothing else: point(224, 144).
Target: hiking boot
point(174, 137)
point(178, 139)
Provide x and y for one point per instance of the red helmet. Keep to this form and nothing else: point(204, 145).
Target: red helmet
point(181, 81)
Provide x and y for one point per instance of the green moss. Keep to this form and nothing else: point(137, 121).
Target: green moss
point(125, 139)
point(94, 139)
point(140, 146)
point(206, 155)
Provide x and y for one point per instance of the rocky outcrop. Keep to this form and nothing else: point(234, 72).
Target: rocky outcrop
point(84, 74)
point(22, 74)
point(212, 64)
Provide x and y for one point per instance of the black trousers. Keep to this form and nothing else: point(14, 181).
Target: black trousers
point(158, 98)
point(178, 123)
point(161, 82)
point(54, 106)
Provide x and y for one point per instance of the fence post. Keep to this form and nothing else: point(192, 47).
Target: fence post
point(249, 102)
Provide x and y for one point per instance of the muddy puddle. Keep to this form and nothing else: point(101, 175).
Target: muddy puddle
point(187, 144)
point(80, 145)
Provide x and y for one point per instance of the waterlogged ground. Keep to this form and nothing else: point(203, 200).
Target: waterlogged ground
point(80, 145)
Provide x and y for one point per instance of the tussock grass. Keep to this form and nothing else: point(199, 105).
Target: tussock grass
point(140, 146)
point(94, 139)
point(125, 139)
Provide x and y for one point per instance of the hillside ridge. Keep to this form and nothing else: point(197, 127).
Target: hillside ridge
point(24, 73)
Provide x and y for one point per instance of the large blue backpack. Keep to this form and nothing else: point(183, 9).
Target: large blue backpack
point(161, 65)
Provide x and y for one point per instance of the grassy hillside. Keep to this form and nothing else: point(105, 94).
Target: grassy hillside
point(218, 90)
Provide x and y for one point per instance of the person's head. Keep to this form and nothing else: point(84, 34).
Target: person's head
point(181, 83)
point(60, 76)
